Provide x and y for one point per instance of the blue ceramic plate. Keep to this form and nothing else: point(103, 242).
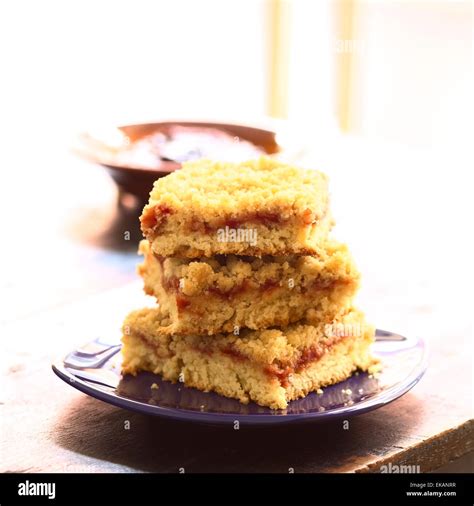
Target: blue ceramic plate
point(95, 370)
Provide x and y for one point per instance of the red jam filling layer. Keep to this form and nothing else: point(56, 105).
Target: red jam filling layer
point(308, 356)
point(171, 285)
point(153, 217)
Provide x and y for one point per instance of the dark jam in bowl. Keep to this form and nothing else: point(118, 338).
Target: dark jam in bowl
point(167, 148)
point(137, 155)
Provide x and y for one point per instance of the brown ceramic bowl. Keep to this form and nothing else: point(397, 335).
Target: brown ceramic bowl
point(135, 177)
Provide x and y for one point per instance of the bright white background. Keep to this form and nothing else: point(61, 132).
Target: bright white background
point(400, 180)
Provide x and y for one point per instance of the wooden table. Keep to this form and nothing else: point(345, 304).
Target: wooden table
point(76, 279)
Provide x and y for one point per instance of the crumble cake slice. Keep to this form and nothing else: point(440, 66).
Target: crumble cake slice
point(270, 367)
point(225, 293)
point(260, 207)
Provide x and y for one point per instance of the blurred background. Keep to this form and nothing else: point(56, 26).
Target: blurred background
point(378, 94)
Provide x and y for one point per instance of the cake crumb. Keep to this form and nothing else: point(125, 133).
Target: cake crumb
point(155, 386)
point(375, 369)
point(319, 391)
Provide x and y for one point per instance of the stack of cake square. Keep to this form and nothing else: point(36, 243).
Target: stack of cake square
point(255, 302)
